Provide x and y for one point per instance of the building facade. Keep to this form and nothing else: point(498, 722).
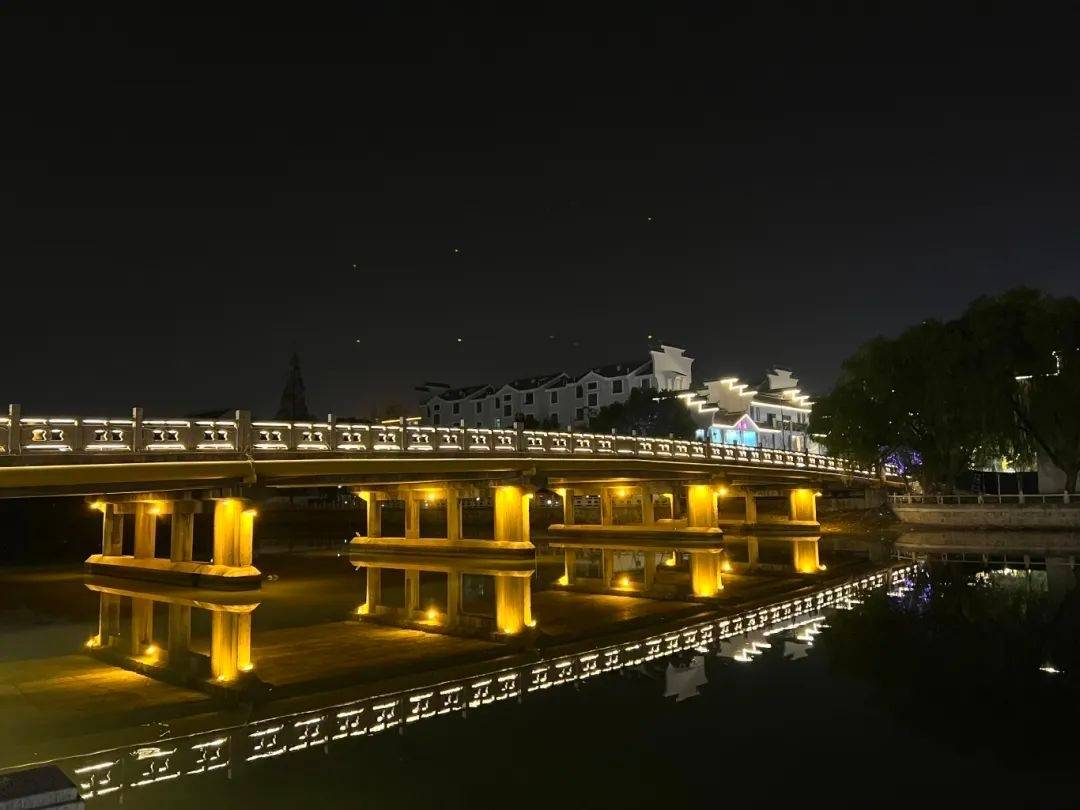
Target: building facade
point(557, 400)
point(772, 413)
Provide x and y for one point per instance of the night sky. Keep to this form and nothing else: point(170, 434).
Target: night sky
point(184, 201)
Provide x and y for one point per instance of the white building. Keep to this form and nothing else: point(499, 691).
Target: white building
point(558, 400)
point(773, 413)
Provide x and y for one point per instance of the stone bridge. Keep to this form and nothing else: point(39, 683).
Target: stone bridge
point(175, 467)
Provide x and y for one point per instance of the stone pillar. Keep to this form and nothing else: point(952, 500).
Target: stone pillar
point(752, 550)
point(705, 578)
point(453, 597)
point(511, 514)
point(607, 507)
point(648, 513)
point(567, 496)
point(145, 529)
point(142, 625)
point(108, 619)
point(232, 533)
point(412, 515)
point(412, 590)
point(373, 591)
point(569, 557)
point(230, 644)
point(112, 530)
point(526, 525)
point(453, 514)
point(374, 513)
point(804, 556)
point(513, 605)
point(650, 569)
point(607, 567)
point(751, 508)
point(179, 631)
point(803, 505)
point(700, 506)
point(246, 548)
point(182, 531)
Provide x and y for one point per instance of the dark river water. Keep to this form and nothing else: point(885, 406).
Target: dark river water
point(956, 686)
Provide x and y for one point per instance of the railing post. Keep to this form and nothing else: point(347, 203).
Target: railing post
point(138, 444)
point(331, 441)
point(1065, 497)
point(14, 430)
point(243, 431)
point(519, 430)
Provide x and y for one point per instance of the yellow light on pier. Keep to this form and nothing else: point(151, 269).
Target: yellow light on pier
point(624, 581)
point(432, 614)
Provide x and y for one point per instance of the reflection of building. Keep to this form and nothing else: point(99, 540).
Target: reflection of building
point(558, 399)
point(774, 413)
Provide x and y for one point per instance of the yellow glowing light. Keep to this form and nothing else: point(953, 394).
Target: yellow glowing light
point(670, 561)
point(531, 624)
point(93, 641)
point(99, 505)
point(725, 566)
point(151, 649)
point(563, 580)
point(247, 667)
point(817, 494)
point(624, 581)
point(432, 614)
point(251, 513)
point(154, 510)
point(221, 679)
point(620, 492)
point(721, 491)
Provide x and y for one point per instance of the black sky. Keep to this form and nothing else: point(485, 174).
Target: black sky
point(184, 199)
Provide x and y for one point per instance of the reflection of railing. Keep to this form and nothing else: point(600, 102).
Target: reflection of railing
point(107, 772)
point(1018, 498)
point(28, 436)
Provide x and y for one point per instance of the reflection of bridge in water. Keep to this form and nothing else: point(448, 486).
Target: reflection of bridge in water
point(157, 469)
point(793, 620)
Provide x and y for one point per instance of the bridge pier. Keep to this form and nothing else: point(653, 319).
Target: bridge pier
point(567, 496)
point(803, 506)
point(705, 576)
point(804, 556)
point(230, 644)
point(231, 566)
point(701, 506)
point(513, 604)
point(512, 514)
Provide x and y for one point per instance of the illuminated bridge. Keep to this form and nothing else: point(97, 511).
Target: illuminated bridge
point(152, 468)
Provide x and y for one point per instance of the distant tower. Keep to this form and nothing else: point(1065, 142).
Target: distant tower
point(293, 400)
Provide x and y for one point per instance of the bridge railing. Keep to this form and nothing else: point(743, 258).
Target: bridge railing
point(33, 436)
point(1019, 498)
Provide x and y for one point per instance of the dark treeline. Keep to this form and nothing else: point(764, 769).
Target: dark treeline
point(1000, 382)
